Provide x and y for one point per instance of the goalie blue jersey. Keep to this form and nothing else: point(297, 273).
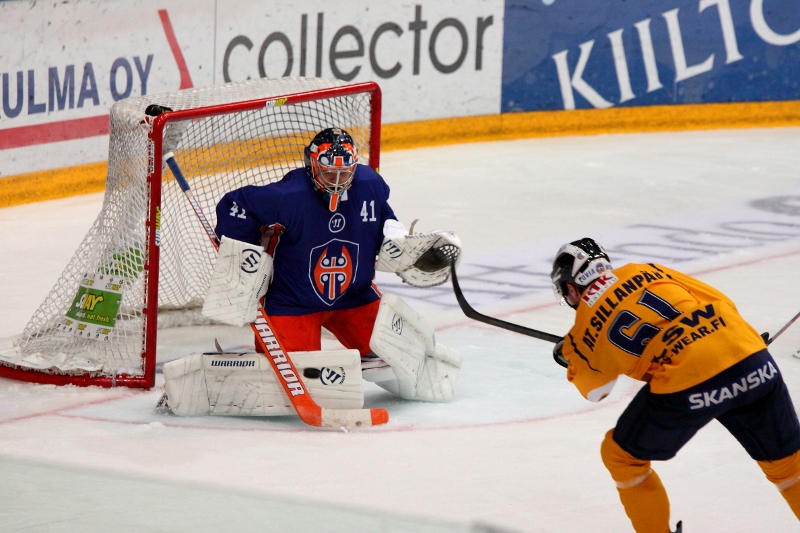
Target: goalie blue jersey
point(323, 261)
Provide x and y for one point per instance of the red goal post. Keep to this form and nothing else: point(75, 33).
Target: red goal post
point(146, 263)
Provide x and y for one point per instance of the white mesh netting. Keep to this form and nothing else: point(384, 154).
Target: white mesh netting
point(217, 154)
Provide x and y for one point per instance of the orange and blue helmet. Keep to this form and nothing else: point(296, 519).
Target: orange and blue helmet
point(330, 160)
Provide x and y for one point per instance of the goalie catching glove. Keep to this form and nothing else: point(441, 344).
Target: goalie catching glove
point(240, 278)
point(421, 259)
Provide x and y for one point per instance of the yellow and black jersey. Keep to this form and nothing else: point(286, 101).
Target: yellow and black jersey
point(653, 323)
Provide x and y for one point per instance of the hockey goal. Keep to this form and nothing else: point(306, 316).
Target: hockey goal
point(146, 262)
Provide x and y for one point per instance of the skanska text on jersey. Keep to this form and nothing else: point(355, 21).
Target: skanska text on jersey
point(754, 379)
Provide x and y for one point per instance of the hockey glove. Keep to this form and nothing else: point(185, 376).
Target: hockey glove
point(239, 280)
point(558, 356)
point(422, 259)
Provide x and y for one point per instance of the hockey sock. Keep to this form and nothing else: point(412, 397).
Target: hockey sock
point(785, 473)
point(640, 489)
point(647, 505)
point(792, 497)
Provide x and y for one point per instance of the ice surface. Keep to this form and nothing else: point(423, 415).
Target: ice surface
point(518, 449)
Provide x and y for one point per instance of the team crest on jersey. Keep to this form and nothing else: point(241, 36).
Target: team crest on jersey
point(332, 268)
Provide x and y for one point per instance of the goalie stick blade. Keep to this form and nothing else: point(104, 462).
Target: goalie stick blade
point(342, 418)
point(473, 314)
point(353, 418)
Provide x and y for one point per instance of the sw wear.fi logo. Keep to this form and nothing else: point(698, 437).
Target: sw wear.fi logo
point(332, 268)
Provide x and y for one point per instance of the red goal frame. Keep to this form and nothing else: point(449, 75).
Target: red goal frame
point(151, 263)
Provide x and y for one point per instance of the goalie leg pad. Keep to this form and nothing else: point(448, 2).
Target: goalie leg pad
point(423, 369)
point(245, 384)
point(240, 278)
point(185, 386)
point(440, 375)
point(333, 377)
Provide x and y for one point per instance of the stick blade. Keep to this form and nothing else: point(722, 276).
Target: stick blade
point(353, 418)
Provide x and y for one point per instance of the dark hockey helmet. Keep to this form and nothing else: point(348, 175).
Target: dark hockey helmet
point(330, 160)
point(580, 263)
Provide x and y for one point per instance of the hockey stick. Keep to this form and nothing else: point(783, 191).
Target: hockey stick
point(473, 314)
point(784, 328)
point(307, 409)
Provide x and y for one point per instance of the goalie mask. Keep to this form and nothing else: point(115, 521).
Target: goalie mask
point(331, 161)
point(580, 263)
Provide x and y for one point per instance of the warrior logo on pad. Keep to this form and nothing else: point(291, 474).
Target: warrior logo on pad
point(332, 268)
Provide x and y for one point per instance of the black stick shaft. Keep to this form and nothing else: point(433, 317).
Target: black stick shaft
point(784, 328)
point(473, 314)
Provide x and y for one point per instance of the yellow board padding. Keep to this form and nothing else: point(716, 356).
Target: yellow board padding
point(90, 178)
point(52, 184)
point(590, 122)
point(231, 156)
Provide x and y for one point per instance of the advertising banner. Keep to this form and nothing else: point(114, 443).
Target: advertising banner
point(432, 59)
point(62, 65)
point(573, 54)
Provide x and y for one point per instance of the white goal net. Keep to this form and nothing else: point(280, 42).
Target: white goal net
point(146, 258)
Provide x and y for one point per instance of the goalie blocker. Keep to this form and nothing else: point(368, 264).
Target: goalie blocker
point(244, 384)
point(240, 278)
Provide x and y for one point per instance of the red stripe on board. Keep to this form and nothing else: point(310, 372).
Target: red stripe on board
point(186, 79)
point(64, 130)
point(67, 130)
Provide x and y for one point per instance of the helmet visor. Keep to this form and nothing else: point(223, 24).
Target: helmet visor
point(334, 166)
point(560, 298)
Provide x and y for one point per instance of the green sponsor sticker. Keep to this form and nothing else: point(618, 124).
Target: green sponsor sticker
point(94, 309)
point(95, 306)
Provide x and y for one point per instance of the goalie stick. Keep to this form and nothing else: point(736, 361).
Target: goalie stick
point(307, 409)
point(473, 314)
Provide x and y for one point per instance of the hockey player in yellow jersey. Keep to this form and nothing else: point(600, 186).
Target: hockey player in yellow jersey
point(699, 358)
